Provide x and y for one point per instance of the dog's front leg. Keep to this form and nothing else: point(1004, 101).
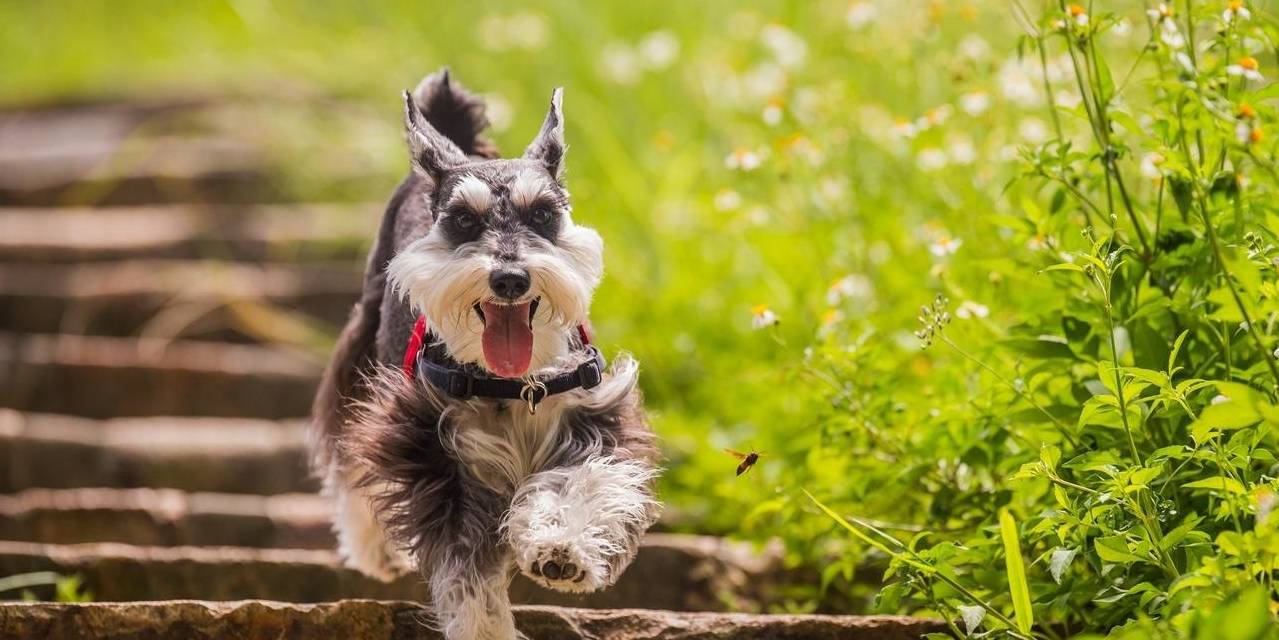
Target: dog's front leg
point(469, 593)
point(577, 527)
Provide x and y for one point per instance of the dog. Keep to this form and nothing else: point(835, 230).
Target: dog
point(465, 426)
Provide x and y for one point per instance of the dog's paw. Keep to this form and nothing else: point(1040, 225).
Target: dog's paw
point(564, 567)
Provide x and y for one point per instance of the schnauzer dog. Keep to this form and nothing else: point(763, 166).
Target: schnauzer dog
point(466, 426)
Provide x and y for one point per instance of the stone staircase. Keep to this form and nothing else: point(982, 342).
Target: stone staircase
point(161, 334)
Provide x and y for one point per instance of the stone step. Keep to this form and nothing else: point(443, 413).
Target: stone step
point(167, 518)
point(671, 571)
point(192, 454)
point(163, 169)
point(261, 620)
point(101, 377)
point(187, 299)
point(123, 153)
point(242, 232)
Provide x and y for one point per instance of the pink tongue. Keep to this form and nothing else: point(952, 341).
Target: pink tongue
point(508, 339)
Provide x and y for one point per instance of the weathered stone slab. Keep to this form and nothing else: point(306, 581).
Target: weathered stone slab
point(183, 299)
point(192, 454)
point(108, 164)
point(676, 572)
point(240, 232)
point(373, 620)
point(101, 377)
point(162, 169)
point(167, 518)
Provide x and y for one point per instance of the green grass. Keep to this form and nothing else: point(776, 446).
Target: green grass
point(1077, 335)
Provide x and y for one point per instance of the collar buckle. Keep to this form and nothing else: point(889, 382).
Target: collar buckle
point(533, 392)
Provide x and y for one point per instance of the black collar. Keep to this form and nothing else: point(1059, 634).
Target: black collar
point(461, 384)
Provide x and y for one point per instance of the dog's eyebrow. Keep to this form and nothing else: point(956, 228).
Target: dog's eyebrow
point(527, 187)
point(472, 191)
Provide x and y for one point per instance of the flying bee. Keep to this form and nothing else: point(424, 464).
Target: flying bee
point(748, 460)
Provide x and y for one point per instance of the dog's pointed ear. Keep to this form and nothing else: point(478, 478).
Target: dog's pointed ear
point(549, 145)
point(432, 154)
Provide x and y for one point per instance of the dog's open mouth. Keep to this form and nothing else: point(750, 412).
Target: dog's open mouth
point(508, 336)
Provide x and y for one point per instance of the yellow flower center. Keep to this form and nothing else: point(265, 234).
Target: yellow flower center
point(1165, 11)
point(1254, 135)
point(1249, 63)
point(1075, 10)
point(1246, 111)
point(1234, 5)
point(759, 309)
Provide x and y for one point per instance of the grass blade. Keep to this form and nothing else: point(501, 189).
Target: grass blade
point(1016, 572)
point(865, 538)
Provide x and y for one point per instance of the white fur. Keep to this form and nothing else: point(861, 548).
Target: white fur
point(585, 515)
point(504, 447)
point(472, 191)
point(527, 187)
point(445, 284)
point(471, 606)
point(362, 542)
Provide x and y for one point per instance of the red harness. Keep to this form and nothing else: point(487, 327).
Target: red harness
point(418, 339)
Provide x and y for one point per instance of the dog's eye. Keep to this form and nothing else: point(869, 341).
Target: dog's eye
point(541, 216)
point(465, 220)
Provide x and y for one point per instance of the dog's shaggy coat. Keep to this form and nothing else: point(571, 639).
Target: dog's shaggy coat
point(469, 490)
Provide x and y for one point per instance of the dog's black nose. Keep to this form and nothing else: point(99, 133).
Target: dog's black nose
point(509, 283)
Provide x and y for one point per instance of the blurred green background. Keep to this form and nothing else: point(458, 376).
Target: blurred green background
point(837, 163)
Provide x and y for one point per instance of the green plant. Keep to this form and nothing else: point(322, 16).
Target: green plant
point(65, 588)
point(1127, 419)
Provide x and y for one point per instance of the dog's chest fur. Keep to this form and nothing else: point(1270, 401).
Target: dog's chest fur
point(501, 443)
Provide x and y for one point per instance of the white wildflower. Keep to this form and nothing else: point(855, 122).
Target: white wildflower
point(974, 103)
point(1236, 10)
point(930, 159)
point(1077, 15)
point(764, 80)
point(962, 151)
point(1266, 502)
point(969, 309)
point(727, 200)
point(658, 49)
point(1067, 99)
point(772, 114)
point(974, 47)
point(1168, 30)
point(1185, 62)
point(786, 46)
point(1017, 83)
point(528, 30)
point(1220, 399)
point(853, 286)
point(762, 317)
point(1150, 165)
point(860, 14)
point(1247, 67)
point(499, 111)
point(944, 245)
point(905, 128)
point(744, 159)
point(619, 64)
point(1032, 130)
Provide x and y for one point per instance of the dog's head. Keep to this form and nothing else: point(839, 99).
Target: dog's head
point(504, 274)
